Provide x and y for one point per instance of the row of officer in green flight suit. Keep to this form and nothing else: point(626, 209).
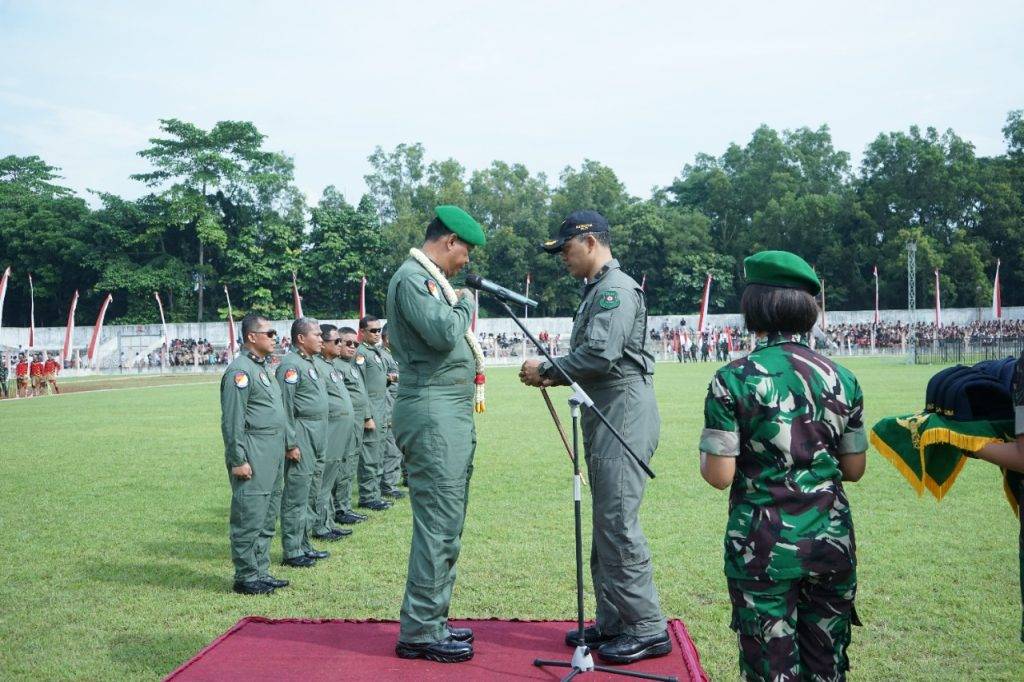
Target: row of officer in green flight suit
point(293, 443)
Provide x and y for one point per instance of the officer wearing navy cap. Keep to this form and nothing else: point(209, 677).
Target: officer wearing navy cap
point(608, 357)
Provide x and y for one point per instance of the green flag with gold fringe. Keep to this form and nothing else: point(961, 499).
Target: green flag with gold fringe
point(928, 448)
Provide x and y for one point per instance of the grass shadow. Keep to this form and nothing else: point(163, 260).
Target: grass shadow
point(157, 575)
point(154, 654)
point(199, 551)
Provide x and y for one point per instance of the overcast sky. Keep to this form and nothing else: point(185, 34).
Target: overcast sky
point(641, 87)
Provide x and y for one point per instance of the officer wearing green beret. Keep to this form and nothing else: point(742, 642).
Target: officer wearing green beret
point(393, 462)
point(608, 357)
point(253, 426)
point(784, 427)
point(305, 404)
point(340, 434)
point(345, 365)
point(371, 362)
point(434, 427)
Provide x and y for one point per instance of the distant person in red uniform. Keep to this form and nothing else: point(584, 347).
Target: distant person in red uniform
point(50, 369)
point(21, 375)
point(35, 371)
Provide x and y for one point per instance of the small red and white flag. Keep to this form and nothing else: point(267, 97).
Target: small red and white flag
point(938, 300)
point(876, 295)
point(31, 312)
point(704, 305)
point(3, 293)
point(997, 295)
point(91, 351)
point(362, 298)
point(232, 341)
point(163, 322)
point(69, 331)
point(296, 299)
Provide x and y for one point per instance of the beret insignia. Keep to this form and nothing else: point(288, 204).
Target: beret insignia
point(609, 299)
point(291, 376)
point(241, 380)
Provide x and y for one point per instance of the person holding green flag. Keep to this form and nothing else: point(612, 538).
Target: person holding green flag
point(433, 417)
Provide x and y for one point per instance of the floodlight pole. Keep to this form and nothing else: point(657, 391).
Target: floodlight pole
point(911, 300)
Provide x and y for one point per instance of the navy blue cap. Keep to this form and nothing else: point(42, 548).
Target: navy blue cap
point(578, 222)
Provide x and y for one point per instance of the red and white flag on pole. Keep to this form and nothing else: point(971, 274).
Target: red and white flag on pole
point(232, 340)
point(643, 283)
point(163, 321)
point(704, 305)
point(91, 351)
point(526, 309)
point(69, 332)
point(296, 299)
point(31, 313)
point(3, 293)
point(824, 321)
point(362, 298)
point(938, 301)
point(476, 308)
point(997, 296)
point(876, 295)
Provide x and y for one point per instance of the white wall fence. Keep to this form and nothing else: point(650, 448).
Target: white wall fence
point(117, 341)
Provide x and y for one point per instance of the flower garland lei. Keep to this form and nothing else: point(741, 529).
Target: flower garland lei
point(474, 345)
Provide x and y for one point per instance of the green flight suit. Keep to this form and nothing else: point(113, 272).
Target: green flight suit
point(304, 390)
point(608, 358)
point(392, 467)
point(253, 425)
point(340, 436)
point(434, 428)
point(370, 361)
point(353, 379)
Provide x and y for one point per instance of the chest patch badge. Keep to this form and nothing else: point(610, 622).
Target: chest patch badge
point(334, 377)
point(355, 373)
point(241, 380)
point(312, 374)
point(432, 288)
point(609, 299)
point(377, 358)
point(264, 379)
point(291, 376)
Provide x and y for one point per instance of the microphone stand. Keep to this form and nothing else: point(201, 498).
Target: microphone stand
point(582, 661)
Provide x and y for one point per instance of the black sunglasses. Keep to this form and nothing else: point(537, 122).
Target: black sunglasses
point(350, 344)
point(374, 330)
point(270, 333)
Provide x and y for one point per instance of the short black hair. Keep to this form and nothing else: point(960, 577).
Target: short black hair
point(303, 325)
point(778, 309)
point(345, 330)
point(249, 324)
point(437, 230)
point(603, 238)
point(366, 320)
point(326, 329)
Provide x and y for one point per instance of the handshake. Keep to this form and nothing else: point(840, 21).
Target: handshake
point(530, 375)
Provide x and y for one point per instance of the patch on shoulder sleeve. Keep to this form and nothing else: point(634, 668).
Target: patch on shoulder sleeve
point(291, 376)
point(360, 359)
point(609, 299)
point(241, 380)
point(432, 288)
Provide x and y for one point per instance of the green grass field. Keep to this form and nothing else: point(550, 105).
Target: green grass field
point(113, 538)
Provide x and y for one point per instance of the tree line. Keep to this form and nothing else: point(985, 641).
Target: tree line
point(222, 210)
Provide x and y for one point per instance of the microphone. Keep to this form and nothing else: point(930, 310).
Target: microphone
point(477, 282)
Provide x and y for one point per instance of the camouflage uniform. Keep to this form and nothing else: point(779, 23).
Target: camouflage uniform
point(1014, 479)
point(787, 414)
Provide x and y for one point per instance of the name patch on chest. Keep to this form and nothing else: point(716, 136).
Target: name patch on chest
point(334, 377)
point(264, 379)
point(312, 374)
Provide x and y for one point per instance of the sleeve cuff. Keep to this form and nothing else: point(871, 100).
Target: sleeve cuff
point(853, 442)
point(720, 443)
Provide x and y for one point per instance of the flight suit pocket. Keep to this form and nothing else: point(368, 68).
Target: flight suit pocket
point(598, 331)
point(249, 507)
point(448, 509)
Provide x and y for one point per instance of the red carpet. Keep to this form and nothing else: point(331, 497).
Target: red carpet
point(259, 649)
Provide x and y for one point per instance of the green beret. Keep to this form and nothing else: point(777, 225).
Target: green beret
point(462, 224)
point(781, 269)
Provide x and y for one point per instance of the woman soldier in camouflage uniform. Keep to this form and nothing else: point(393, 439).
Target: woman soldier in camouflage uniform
point(784, 427)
